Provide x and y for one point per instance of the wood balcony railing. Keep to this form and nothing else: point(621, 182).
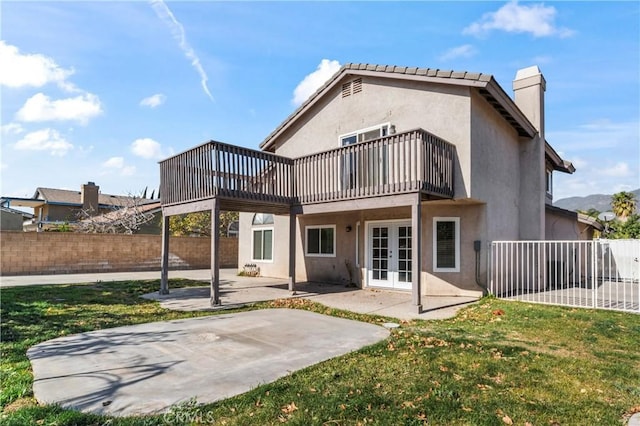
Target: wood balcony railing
point(414, 161)
point(216, 169)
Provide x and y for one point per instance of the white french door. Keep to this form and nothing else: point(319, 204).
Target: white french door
point(389, 255)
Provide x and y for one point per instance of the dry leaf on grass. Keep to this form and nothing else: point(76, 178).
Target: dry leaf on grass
point(289, 408)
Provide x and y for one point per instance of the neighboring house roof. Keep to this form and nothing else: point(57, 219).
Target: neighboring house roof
point(64, 196)
point(484, 83)
point(554, 159)
point(24, 215)
point(580, 217)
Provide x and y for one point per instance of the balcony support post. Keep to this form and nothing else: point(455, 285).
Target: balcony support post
point(164, 274)
point(416, 252)
point(292, 252)
point(215, 253)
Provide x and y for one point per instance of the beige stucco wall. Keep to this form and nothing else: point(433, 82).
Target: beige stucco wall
point(348, 265)
point(562, 227)
point(443, 110)
point(491, 162)
point(495, 169)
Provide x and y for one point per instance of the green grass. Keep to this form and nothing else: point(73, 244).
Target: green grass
point(496, 363)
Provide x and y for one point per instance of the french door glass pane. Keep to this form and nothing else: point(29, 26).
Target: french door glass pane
point(404, 254)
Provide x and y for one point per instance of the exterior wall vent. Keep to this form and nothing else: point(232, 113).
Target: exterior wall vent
point(352, 87)
point(357, 85)
point(346, 89)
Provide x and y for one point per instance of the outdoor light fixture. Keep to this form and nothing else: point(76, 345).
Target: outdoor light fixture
point(392, 129)
point(348, 228)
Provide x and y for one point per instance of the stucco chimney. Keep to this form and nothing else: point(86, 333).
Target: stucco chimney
point(529, 87)
point(89, 197)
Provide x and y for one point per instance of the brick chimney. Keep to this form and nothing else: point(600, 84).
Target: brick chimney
point(89, 197)
point(529, 86)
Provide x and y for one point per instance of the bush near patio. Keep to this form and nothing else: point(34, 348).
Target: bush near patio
point(495, 363)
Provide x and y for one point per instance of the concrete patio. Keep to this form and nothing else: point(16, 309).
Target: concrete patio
point(236, 291)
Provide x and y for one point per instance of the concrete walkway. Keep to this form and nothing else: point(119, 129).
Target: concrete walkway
point(23, 280)
point(144, 369)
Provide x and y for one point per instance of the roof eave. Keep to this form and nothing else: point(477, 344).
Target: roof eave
point(520, 122)
point(558, 163)
point(513, 114)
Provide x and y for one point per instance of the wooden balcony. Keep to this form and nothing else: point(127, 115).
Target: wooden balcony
point(245, 179)
point(235, 175)
point(414, 161)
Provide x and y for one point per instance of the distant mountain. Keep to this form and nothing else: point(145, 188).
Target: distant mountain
point(600, 202)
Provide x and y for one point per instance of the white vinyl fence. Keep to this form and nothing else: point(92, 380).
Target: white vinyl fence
point(603, 274)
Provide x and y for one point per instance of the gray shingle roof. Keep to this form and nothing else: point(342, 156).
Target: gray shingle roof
point(53, 195)
point(479, 80)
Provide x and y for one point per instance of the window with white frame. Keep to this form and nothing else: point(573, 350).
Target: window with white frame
point(320, 240)
point(549, 182)
point(446, 244)
point(262, 237)
point(363, 135)
point(352, 175)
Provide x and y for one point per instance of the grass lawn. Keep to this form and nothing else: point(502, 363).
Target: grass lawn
point(496, 363)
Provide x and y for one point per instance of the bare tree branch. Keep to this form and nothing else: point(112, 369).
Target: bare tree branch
point(126, 219)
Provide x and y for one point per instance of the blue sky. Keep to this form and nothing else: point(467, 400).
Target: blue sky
point(100, 91)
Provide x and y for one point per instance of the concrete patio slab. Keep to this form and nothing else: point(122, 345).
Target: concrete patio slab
point(237, 291)
point(146, 368)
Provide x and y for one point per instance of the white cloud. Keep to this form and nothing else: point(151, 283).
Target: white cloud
point(117, 163)
point(30, 70)
point(153, 101)
point(464, 51)
point(178, 33)
point(147, 148)
point(620, 169)
point(536, 19)
point(128, 171)
point(40, 107)
point(44, 140)
point(114, 163)
point(11, 129)
point(597, 135)
point(313, 81)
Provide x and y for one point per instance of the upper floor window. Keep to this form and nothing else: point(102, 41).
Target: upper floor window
point(549, 182)
point(367, 134)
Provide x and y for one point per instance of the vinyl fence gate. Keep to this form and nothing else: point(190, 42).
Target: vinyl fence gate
point(602, 274)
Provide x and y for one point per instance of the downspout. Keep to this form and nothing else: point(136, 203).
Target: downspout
point(477, 245)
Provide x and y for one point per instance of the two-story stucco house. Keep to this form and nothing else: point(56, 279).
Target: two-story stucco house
point(387, 176)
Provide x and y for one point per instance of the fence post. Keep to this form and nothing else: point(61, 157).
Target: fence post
point(594, 270)
point(490, 269)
